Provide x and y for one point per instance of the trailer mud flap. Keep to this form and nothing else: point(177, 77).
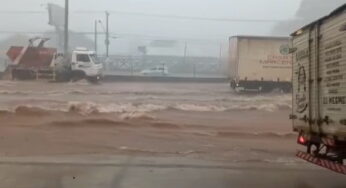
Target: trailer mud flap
point(339, 168)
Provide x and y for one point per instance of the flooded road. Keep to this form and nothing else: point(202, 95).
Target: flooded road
point(174, 134)
point(134, 97)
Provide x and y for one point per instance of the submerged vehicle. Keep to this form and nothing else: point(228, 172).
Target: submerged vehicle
point(37, 62)
point(319, 94)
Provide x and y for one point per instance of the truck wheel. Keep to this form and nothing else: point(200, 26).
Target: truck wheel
point(14, 74)
point(77, 75)
point(260, 88)
point(94, 79)
point(23, 75)
point(286, 90)
point(63, 77)
point(233, 84)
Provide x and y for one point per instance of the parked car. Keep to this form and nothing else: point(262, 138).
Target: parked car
point(156, 71)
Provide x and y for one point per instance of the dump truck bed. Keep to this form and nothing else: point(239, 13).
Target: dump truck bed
point(31, 57)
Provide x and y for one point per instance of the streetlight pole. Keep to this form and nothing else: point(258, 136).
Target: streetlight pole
point(95, 39)
point(185, 51)
point(107, 34)
point(220, 58)
point(66, 42)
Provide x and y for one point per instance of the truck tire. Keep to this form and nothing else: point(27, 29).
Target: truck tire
point(18, 74)
point(77, 75)
point(233, 84)
point(93, 79)
point(287, 88)
point(63, 76)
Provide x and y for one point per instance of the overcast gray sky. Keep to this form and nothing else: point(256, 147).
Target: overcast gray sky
point(157, 26)
point(239, 9)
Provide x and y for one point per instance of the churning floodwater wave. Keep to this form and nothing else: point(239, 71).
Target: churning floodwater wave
point(125, 98)
point(90, 107)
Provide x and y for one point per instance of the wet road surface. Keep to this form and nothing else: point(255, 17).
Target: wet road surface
point(146, 172)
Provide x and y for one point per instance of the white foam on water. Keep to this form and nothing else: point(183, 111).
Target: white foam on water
point(199, 108)
point(90, 107)
point(8, 92)
point(126, 101)
point(82, 82)
point(284, 160)
point(137, 115)
point(83, 108)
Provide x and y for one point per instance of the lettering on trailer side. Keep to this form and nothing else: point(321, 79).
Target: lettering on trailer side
point(334, 100)
point(333, 51)
point(333, 76)
point(334, 71)
point(302, 54)
point(333, 91)
point(334, 57)
point(278, 61)
point(332, 44)
point(333, 65)
point(334, 109)
point(333, 84)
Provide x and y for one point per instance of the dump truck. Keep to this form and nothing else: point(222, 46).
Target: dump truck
point(319, 90)
point(36, 61)
point(259, 64)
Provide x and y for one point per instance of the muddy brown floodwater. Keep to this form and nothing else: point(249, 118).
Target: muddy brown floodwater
point(195, 120)
point(189, 121)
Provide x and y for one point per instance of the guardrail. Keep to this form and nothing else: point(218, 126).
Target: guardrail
point(126, 78)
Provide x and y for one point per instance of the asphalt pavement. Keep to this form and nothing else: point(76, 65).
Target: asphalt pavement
point(158, 172)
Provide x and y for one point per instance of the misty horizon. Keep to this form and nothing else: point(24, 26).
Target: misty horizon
point(138, 22)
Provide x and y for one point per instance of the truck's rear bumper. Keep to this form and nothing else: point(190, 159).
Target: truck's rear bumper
point(331, 165)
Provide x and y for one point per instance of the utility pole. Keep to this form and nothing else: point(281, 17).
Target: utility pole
point(95, 39)
point(185, 51)
point(220, 58)
point(194, 69)
point(193, 63)
point(66, 37)
point(107, 34)
point(220, 53)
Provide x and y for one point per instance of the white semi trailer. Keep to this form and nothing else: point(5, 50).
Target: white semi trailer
point(319, 90)
point(259, 63)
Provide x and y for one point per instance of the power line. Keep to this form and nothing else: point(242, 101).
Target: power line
point(141, 14)
point(21, 12)
point(114, 35)
point(24, 32)
point(181, 17)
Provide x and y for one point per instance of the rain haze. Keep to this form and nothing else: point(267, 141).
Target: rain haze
point(205, 21)
point(187, 93)
point(205, 24)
